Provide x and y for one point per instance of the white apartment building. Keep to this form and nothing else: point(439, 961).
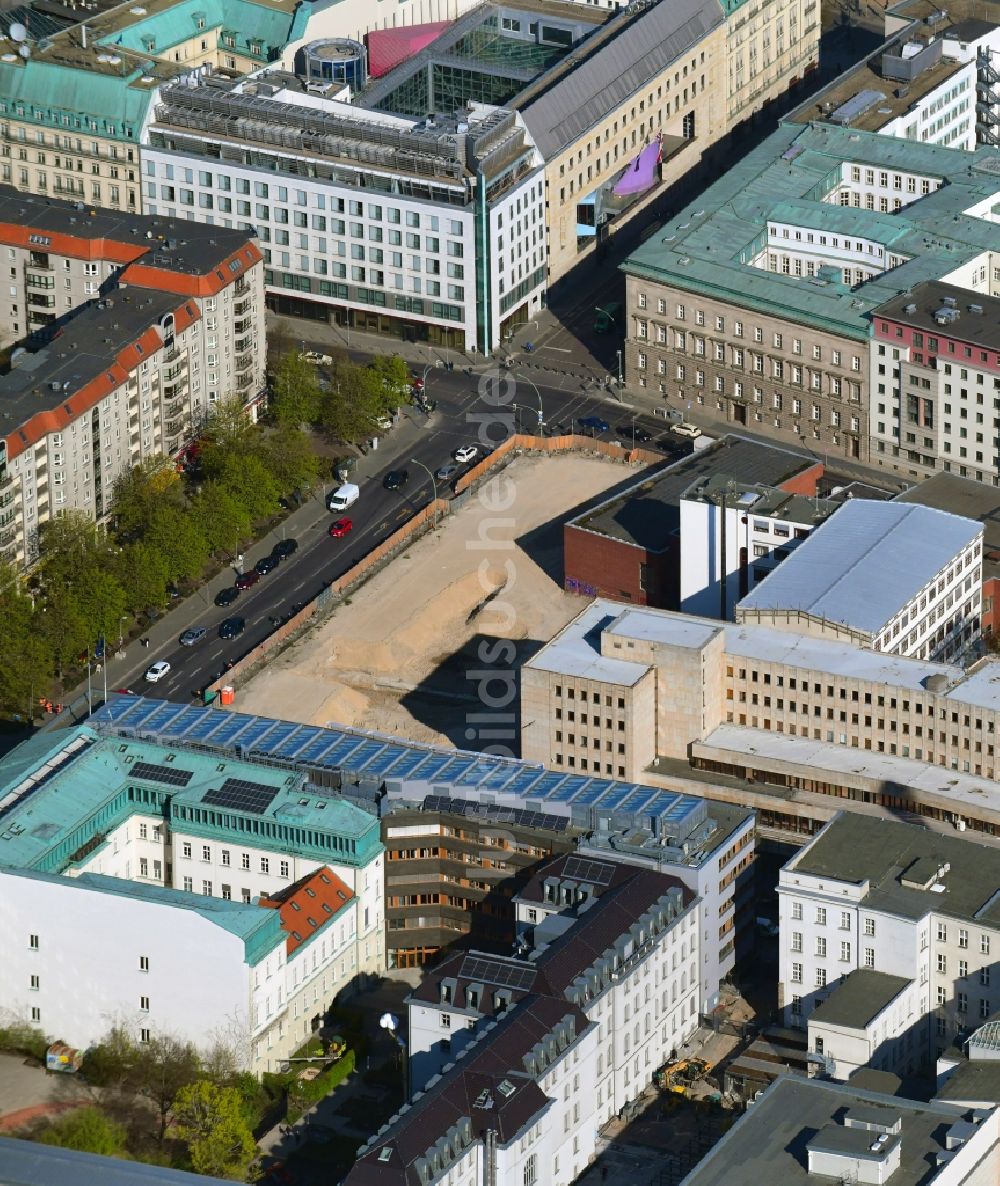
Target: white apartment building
point(882, 578)
point(732, 537)
point(544, 1090)
point(142, 324)
point(192, 849)
point(429, 229)
point(917, 910)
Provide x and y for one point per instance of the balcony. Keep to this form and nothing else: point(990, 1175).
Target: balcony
point(41, 281)
point(243, 381)
point(172, 373)
point(242, 308)
point(241, 287)
point(37, 301)
point(242, 345)
point(8, 537)
point(39, 262)
point(173, 427)
point(174, 409)
point(243, 326)
point(244, 361)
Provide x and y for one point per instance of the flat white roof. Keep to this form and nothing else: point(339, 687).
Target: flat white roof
point(865, 563)
point(674, 629)
point(981, 688)
point(767, 644)
point(966, 790)
point(576, 649)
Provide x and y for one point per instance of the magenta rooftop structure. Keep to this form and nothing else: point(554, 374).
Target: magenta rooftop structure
point(387, 48)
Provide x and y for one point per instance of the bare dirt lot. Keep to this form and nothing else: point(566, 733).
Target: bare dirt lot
point(398, 658)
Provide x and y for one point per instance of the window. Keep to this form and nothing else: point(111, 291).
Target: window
point(143, 963)
point(284, 868)
point(796, 910)
point(186, 850)
point(820, 946)
point(869, 926)
point(942, 933)
point(820, 916)
point(225, 856)
point(265, 865)
point(36, 1013)
point(796, 973)
point(446, 1021)
point(845, 920)
point(206, 889)
point(206, 852)
point(963, 938)
point(144, 1004)
point(869, 957)
point(845, 953)
point(796, 941)
point(984, 944)
point(530, 1176)
point(984, 977)
point(245, 860)
point(143, 829)
point(942, 964)
point(143, 1035)
point(35, 983)
point(33, 942)
point(821, 977)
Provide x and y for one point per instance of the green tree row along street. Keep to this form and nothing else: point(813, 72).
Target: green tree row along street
point(170, 521)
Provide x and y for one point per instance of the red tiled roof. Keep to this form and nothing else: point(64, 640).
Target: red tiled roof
point(308, 905)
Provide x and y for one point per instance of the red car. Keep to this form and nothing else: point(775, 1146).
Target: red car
point(248, 579)
point(340, 528)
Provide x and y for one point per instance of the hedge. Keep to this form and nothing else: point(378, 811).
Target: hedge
point(304, 1093)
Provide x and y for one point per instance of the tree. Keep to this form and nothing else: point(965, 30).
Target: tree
point(358, 396)
point(27, 667)
point(210, 1120)
point(164, 1067)
point(142, 573)
point(250, 483)
point(138, 491)
point(100, 601)
point(88, 1130)
point(68, 546)
point(222, 519)
point(179, 540)
point(229, 433)
point(296, 393)
point(112, 1061)
point(394, 372)
point(289, 455)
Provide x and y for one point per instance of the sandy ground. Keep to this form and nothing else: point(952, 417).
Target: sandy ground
point(396, 659)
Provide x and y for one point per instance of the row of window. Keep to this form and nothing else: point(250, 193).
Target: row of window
point(225, 859)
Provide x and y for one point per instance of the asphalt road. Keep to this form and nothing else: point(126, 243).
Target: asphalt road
point(376, 514)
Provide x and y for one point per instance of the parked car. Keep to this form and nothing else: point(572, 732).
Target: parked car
point(341, 527)
point(227, 596)
point(466, 453)
point(640, 435)
point(317, 357)
point(593, 424)
point(284, 548)
point(155, 673)
point(265, 565)
point(232, 628)
point(447, 472)
point(247, 580)
point(193, 636)
point(684, 429)
point(395, 479)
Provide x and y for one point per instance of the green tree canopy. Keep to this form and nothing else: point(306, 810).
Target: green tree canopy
point(164, 1066)
point(27, 666)
point(138, 491)
point(229, 433)
point(250, 483)
point(289, 455)
point(210, 1120)
point(88, 1130)
point(223, 520)
point(143, 575)
point(296, 393)
point(179, 539)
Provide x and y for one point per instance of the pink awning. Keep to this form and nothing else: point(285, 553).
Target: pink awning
point(388, 47)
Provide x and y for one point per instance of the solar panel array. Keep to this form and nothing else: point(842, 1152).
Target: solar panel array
point(496, 814)
point(242, 795)
point(375, 760)
point(592, 872)
point(503, 975)
point(150, 772)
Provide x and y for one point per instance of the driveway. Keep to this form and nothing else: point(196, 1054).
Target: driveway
point(27, 1092)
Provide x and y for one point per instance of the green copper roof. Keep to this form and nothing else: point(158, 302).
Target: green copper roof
point(47, 92)
point(706, 248)
point(258, 927)
point(57, 810)
point(248, 23)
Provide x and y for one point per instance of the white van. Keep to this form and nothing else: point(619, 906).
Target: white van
point(345, 497)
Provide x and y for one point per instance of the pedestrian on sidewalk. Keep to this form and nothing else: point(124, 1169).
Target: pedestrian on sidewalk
point(144, 642)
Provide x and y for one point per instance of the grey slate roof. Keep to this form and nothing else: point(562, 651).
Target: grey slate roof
point(633, 49)
point(864, 564)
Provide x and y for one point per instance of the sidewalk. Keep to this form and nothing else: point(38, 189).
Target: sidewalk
point(197, 608)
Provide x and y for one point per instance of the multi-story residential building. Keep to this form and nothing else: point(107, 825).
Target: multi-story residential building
point(516, 1101)
point(732, 536)
point(896, 577)
point(273, 880)
point(708, 847)
point(888, 944)
point(72, 108)
point(756, 303)
point(427, 229)
point(794, 725)
point(147, 322)
point(934, 393)
point(453, 866)
point(802, 1131)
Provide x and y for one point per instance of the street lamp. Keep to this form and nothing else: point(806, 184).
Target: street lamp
point(538, 396)
point(619, 353)
point(434, 487)
point(390, 1023)
point(121, 636)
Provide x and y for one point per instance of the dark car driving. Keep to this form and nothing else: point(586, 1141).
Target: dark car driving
point(227, 596)
point(232, 628)
point(395, 479)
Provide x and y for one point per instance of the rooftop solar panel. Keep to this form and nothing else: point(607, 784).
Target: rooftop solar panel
point(170, 775)
point(504, 975)
point(242, 795)
point(593, 872)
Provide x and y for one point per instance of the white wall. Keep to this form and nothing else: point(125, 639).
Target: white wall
point(90, 975)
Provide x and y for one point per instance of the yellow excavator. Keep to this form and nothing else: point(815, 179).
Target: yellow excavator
point(678, 1076)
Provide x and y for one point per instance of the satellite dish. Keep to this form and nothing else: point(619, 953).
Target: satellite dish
point(18, 32)
point(24, 51)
